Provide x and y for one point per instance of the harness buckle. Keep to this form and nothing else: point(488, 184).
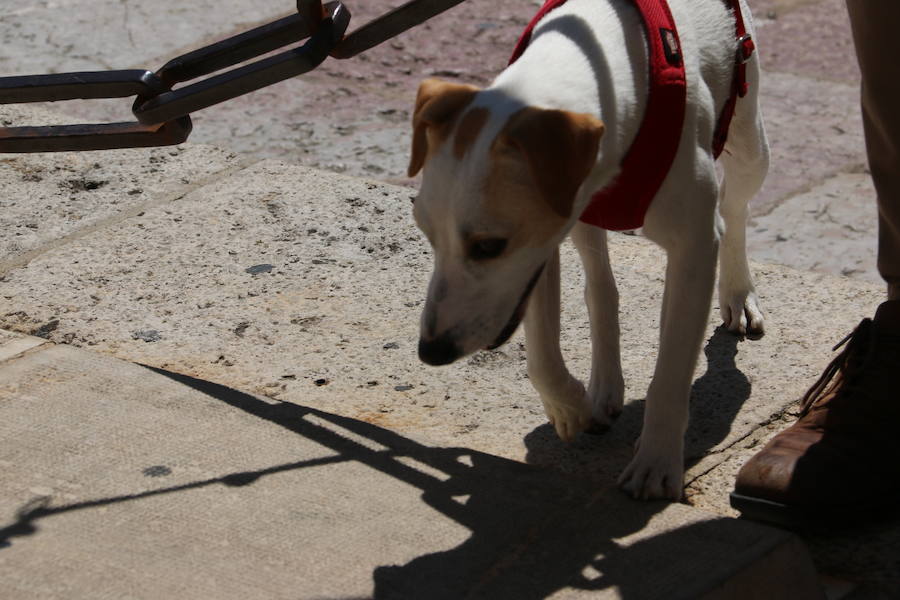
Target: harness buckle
point(745, 49)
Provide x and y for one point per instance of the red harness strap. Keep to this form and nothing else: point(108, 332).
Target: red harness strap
point(739, 86)
point(623, 204)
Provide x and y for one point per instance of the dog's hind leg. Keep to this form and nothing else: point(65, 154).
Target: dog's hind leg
point(563, 396)
point(745, 162)
point(606, 390)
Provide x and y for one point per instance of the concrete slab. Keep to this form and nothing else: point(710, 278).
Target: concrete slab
point(147, 484)
point(13, 344)
point(863, 559)
point(810, 38)
point(810, 99)
point(815, 132)
point(828, 229)
point(307, 287)
point(88, 35)
point(46, 198)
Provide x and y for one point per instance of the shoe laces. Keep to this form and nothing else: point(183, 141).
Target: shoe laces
point(842, 370)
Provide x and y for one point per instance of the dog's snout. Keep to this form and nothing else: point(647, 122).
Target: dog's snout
point(438, 351)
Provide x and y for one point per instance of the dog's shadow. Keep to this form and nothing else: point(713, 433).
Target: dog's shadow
point(534, 530)
point(716, 398)
point(557, 527)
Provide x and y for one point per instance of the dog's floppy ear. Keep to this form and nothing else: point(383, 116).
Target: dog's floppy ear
point(437, 103)
point(560, 148)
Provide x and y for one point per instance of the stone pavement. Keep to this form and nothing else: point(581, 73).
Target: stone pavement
point(145, 483)
point(297, 292)
point(352, 116)
point(303, 289)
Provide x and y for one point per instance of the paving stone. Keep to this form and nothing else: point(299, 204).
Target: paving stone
point(809, 98)
point(862, 559)
point(88, 35)
point(171, 288)
point(125, 291)
point(48, 197)
point(169, 486)
point(828, 229)
point(810, 38)
point(815, 132)
point(14, 344)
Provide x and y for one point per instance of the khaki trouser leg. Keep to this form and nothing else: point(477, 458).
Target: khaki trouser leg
point(876, 29)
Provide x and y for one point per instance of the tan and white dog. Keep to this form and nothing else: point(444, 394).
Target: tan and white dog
point(510, 168)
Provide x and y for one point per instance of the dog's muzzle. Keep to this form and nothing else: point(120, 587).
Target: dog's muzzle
point(439, 351)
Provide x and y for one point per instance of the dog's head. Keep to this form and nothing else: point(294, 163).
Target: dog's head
point(498, 193)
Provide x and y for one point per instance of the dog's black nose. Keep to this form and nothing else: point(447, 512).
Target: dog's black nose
point(439, 351)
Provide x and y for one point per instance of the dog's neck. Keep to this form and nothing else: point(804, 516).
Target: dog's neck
point(572, 65)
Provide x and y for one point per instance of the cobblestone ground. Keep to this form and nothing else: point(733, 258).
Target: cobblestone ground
point(816, 210)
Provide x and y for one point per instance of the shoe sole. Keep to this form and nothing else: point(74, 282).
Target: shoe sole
point(774, 513)
point(810, 519)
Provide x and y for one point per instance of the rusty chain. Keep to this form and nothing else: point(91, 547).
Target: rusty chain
point(163, 113)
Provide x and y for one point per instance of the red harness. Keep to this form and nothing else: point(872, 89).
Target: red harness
point(623, 204)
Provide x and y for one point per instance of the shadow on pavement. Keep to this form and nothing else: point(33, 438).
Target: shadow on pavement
point(716, 398)
point(534, 530)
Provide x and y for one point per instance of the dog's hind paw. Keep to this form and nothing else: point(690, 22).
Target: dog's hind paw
point(569, 411)
point(741, 314)
point(651, 476)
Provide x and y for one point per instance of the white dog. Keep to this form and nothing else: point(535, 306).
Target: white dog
point(508, 171)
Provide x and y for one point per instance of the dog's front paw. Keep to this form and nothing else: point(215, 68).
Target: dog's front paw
point(741, 313)
point(568, 410)
point(654, 474)
point(607, 399)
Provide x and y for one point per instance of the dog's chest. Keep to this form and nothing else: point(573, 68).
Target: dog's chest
point(623, 203)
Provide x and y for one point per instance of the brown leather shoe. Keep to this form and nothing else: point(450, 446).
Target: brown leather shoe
point(840, 462)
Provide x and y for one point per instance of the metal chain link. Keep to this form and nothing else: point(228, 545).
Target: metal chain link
point(163, 113)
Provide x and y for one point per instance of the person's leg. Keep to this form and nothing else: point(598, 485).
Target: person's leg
point(837, 463)
point(875, 26)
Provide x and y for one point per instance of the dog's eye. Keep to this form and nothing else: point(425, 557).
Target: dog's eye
point(487, 248)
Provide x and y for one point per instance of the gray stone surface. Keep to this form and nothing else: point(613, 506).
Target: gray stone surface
point(864, 559)
point(170, 288)
point(783, 28)
point(13, 344)
point(47, 198)
point(304, 287)
point(86, 35)
point(143, 483)
point(814, 135)
point(351, 116)
point(828, 229)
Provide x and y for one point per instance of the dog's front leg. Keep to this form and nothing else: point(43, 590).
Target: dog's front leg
point(657, 469)
point(606, 390)
point(564, 397)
